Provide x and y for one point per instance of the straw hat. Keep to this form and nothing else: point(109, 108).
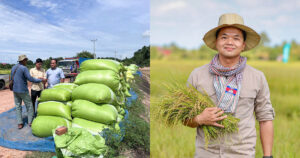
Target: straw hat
point(233, 20)
point(22, 57)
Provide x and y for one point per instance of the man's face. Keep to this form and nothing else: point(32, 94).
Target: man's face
point(230, 42)
point(25, 62)
point(53, 64)
point(38, 65)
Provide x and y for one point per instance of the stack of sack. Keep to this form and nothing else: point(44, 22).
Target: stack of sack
point(95, 101)
point(100, 95)
point(131, 69)
point(54, 109)
point(103, 71)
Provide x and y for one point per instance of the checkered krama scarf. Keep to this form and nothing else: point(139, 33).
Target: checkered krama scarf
point(227, 83)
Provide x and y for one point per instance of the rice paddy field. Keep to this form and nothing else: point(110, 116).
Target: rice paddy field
point(284, 84)
point(4, 71)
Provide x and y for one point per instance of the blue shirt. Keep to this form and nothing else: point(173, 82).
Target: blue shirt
point(20, 79)
point(54, 76)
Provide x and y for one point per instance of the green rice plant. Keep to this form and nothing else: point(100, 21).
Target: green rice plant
point(184, 103)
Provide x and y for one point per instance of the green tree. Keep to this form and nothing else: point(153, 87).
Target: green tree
point(85, 54)
point(265, 40)
point(141, 57)
point(30, 62)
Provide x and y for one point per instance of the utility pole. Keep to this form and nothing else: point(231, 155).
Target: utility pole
point(94, 41)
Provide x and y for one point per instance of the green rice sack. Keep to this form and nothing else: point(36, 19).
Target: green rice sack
point(93, 127)
point(120, 118)
point(101, 64)
point(78, 142)
point(127, 94)
point(105, 113)
point(107, 77)
point(121, 111)
point(42, 126)
point(53, 108)
point(69, 86)
point(127, 86)
point(96, 93)
point(56, 94)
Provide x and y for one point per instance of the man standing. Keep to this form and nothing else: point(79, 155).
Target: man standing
point(36, 88)
point(236, 88)
point(20, 75)
point(55, 75)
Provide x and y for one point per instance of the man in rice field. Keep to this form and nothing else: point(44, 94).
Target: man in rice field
point(236, 88)
point(54, 75)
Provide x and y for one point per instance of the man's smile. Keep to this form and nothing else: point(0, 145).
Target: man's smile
point(229, 48)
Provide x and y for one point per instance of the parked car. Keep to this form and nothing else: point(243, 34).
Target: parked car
point(4, 81)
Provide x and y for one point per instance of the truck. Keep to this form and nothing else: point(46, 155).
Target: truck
point(70, 66)
point(4, 81)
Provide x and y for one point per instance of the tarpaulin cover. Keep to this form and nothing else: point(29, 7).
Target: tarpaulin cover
point(132, 98)
point(23, 139)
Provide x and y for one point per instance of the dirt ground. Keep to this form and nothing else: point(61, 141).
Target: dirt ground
point(145, 88)
point(6, 103)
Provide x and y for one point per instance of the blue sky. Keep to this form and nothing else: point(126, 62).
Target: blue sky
point(61, 28)
point(185, 22)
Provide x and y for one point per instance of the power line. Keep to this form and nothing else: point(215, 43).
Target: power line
point(94, 41)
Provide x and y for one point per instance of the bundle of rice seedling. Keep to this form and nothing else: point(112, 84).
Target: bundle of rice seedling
point(184, 103)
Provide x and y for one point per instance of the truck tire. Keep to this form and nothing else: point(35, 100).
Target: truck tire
point(2, 84)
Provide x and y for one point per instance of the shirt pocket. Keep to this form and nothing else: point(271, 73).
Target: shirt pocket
point(245, 108)
point(248, 97)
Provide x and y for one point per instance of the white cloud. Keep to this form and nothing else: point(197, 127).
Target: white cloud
point(167, 7)
point(109, 4)
point(43, 4)
point(23, 28)
point(146, 33)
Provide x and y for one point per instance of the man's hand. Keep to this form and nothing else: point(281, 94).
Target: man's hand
point(43, 80)
point(62, 80)
point(209, 116)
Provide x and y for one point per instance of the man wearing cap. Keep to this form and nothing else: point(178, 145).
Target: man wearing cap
point(54, 75)
point(235, 88)
point(20, 75)
point(36, 88)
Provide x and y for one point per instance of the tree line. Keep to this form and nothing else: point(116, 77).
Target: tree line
point(141, 58)
point(262, 52)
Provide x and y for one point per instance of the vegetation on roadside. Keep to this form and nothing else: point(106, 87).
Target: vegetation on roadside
point(137, 130)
